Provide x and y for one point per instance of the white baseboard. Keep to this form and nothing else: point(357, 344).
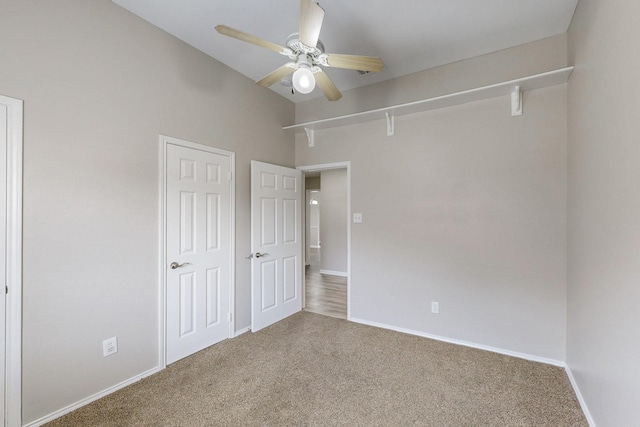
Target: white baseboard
point(314, 246)
point(581, 400)
point(464, 343)
point(334, 273)
point(241, 331)
point(86, 401)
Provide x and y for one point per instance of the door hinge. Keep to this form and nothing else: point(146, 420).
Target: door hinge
point(230, 176)
point(6, 289)
point(230, 317)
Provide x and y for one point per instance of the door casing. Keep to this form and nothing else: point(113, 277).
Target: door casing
point(13, 262)
point(164, 141)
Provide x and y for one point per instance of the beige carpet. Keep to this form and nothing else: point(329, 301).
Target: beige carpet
point(313, 370)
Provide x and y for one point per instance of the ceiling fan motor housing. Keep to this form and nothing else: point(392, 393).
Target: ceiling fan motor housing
point(297, 47)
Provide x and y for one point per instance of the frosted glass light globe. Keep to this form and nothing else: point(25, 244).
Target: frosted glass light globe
point(303, 80)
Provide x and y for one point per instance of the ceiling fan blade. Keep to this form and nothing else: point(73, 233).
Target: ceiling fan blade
point(311, 16)
point(355, 62)
point(236, 34)
point(326, 85)
point(276, 75)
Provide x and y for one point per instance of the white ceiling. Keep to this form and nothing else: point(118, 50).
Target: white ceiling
point(409, 35)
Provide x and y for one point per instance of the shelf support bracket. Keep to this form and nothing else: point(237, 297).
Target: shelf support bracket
point(390, 124)
point(310, 137)
point(516, 101)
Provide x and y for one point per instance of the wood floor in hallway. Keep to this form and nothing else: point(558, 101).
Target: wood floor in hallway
point(324, 293)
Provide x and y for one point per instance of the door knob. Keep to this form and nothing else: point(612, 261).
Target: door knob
point(258, 254)
point(175, 265)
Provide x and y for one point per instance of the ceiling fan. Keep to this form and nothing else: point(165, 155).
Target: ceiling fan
point(307, 54)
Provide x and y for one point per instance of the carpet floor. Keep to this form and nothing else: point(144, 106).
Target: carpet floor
point(313, 370)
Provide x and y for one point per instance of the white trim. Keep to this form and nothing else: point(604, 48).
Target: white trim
point(335, 273)
point(164, 141)
point(325, 167)
point(162, 273)
point(583, 403)
point(314, 246)
point(348, 240)
point(60, 412)
point(304, 215)
point(242, 331)
point(340, 165)
point(463, 343)
point(13, 316)
point(305, 261)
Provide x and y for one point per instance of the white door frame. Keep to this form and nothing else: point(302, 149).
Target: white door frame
point(164, 141)
point(320, 168)
point(13, 320)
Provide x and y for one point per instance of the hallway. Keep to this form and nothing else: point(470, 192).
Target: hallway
point(324, 294)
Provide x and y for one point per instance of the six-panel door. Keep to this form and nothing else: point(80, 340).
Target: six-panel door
point(276, 197)
point(198, 242)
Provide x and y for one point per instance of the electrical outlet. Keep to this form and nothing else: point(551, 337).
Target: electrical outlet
point(435, 307)
point(110, 346)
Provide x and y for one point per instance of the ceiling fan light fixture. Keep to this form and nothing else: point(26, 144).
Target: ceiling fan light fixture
point(303, 80)
point(306, 49)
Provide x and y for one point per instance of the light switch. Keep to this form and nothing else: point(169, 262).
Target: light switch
point(357, 218)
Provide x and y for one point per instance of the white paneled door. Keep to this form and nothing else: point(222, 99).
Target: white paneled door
point(276, 243)
point(198, 249)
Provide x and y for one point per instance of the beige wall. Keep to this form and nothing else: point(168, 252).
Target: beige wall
point(312, 182)
point(520, 61)
point(603, 348)
point(465, 206)
point(99, 85)
point(333, 221)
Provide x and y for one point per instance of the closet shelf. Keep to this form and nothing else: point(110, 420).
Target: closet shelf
point(537, 81)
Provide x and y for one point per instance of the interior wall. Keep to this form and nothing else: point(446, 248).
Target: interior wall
point(99, 86)
point(312, 182)
point(333, 221)
point(465, 206)
point(604, 210)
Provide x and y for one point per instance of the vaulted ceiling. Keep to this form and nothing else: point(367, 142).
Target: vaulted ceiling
point(409, 35)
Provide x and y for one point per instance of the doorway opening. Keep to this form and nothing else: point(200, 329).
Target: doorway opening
point(327, 239)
